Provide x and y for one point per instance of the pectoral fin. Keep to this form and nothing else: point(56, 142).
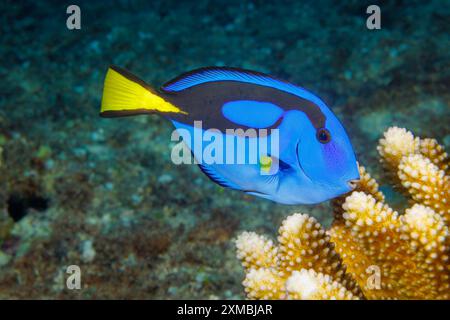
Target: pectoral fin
point(209, 171)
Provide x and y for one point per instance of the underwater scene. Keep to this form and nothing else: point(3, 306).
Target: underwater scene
point(117, 180)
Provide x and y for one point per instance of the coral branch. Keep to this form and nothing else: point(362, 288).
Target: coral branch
point(366, 184)
point(256, 251)
point(396, 143)
point(303, 244)
point(426, 183)
point(432, 150)
point(371, 251)
point(264, 284)
point(310, 285)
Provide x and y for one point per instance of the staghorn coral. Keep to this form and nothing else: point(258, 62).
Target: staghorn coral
point(303, 246)
point(432, 150)
point(371, 251)
point(309, 285)
point(410, 251)
point(396, 143)
point(420, 167)
point(426, 183)
point(366, 184)
point(256, 250)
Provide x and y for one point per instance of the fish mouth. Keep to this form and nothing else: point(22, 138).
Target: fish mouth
point(353, 183)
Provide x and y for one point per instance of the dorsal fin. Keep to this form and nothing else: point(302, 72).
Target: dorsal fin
point(211, 74)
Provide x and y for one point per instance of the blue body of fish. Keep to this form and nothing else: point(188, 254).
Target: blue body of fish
point(314, 159)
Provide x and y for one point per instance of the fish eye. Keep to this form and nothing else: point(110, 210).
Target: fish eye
point(323, 135)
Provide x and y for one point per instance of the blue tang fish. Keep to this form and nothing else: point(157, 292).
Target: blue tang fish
point(311, 161)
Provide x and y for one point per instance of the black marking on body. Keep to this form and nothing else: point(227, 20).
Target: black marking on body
point(204, 102)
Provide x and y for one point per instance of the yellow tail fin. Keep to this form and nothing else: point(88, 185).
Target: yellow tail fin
point(125, 94)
